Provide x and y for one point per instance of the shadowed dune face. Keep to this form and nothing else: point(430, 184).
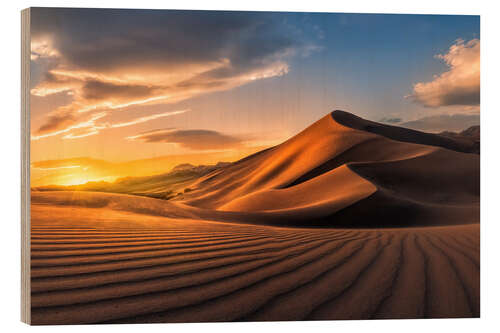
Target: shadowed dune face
point(396, 235)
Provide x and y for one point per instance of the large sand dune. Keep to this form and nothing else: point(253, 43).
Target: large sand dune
point(315, 176)
point(347, 220)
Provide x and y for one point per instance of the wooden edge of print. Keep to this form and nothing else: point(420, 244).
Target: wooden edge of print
point(25, 167)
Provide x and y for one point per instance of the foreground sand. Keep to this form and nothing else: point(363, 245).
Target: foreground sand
point(96, 265)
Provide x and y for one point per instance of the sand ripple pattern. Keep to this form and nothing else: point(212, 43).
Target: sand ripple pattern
point(223, 272)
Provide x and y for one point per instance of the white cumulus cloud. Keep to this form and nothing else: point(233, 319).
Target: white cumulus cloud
point(460, 85)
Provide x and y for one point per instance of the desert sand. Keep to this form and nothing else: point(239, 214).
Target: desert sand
point(349, 219)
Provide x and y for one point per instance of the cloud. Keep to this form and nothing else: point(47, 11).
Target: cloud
point(95, 90)
point(82, 133)
point(60, 124)
point(196, 139)
point(443, 122)
point(153, 57)
point(391, 120)
point(57, 121)
point(34, 166)
point(43, 49)
point(147, 118)
point(460, 85)
point(83, 125)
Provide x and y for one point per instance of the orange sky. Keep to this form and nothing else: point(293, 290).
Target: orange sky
point(73, 171)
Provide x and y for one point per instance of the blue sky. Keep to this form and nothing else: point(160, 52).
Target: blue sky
point(365, 63)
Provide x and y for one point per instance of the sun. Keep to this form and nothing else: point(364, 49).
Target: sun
point(76, 180)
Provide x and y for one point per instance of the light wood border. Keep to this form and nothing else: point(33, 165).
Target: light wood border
point(25, 166)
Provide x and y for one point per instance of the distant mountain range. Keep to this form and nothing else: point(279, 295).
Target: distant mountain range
point(472, 132)
point(163, 186)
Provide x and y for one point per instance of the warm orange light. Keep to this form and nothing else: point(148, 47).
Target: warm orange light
point(67, 177)
point(75, 180)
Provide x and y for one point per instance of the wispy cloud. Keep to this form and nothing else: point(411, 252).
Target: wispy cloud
point(460, 85)
point(390, 120)
point(64, 124)
point(195, 139)
point(83, 125)
point(147, 118)
point(56, 168)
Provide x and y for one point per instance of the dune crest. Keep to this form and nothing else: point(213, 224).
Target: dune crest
point(458, 143)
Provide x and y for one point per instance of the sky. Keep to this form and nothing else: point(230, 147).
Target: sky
point(166, 87)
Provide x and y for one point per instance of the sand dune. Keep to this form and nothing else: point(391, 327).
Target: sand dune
point(334, 164)
point(347, 220)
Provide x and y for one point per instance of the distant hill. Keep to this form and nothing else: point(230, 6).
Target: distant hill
point(163, 186)
point(471, 134)
point(442, 122)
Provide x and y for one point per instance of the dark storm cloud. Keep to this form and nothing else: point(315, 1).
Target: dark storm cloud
point(105, 39)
